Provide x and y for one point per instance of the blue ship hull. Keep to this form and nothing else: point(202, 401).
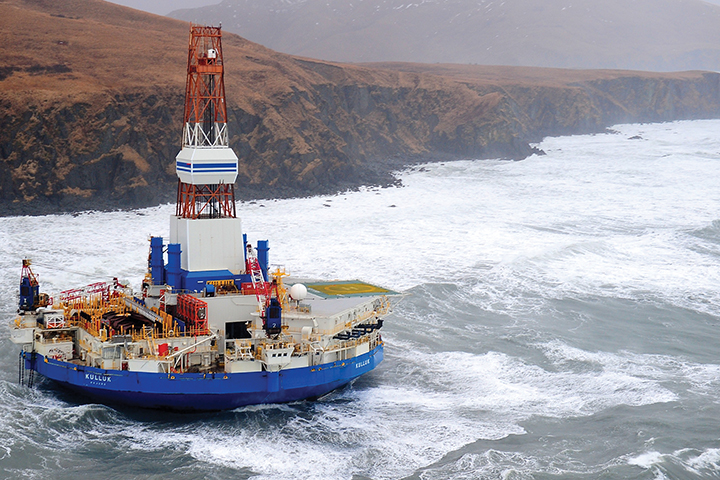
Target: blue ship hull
point(203, 392)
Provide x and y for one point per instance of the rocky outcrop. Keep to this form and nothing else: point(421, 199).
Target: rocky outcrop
point(592, 105)
point(101, 151)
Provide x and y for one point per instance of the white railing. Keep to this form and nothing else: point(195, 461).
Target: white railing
point(195, 136)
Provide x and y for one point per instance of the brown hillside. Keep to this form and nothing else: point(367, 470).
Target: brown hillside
point(91, 96)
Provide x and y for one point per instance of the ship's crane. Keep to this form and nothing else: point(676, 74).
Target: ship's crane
point(260, 286)
point(30, 296)
point(269, 306)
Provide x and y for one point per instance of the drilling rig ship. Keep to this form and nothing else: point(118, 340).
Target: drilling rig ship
point(213, 327)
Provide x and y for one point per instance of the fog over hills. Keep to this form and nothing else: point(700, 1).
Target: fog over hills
point(659, 35)
point(162, 7)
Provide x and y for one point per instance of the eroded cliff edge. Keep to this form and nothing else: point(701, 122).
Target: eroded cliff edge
point(79, 134)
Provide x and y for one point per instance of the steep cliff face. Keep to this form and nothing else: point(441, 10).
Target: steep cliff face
point(100, 149)
point(591, 105)
point(544, 102)
point(83, 131)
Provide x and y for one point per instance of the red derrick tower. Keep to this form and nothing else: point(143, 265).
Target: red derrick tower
point(206, 166)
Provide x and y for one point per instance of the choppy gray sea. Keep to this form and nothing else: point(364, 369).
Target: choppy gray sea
point(562, 322)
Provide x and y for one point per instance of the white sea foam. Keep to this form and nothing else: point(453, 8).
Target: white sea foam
point(704, 379)
point(646, 460)
point(565, 224)
point(600, 215)
point(704, 464)
point(512, 389)
point(709, 460)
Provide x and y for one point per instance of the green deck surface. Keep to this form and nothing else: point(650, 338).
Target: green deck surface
point(350, 288)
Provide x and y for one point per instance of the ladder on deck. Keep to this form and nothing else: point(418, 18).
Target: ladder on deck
point(260, 286)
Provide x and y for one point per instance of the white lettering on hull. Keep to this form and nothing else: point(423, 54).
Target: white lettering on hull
point(96, 379)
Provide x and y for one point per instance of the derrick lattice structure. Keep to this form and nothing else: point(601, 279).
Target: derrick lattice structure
point(205, 201)
point(205, 114)
point(206, 166)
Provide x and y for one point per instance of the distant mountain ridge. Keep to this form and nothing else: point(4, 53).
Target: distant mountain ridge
point(655, 35)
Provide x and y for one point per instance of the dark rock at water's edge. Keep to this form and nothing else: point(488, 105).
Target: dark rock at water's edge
point(114, 152)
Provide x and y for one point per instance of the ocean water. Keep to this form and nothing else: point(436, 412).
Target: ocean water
point(562, 321)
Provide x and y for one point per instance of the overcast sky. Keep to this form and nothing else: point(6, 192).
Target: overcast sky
point(163, 7)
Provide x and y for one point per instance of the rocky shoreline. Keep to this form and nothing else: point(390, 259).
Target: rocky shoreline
point(81, 131)
point(378, 174)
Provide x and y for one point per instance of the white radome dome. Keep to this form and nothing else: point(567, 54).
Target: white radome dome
point(298, 292)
